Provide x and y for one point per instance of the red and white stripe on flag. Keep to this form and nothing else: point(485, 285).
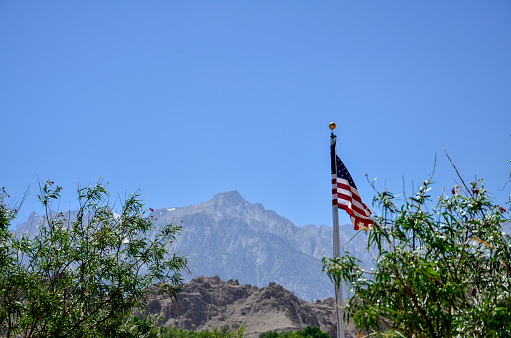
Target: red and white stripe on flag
point(346, 197)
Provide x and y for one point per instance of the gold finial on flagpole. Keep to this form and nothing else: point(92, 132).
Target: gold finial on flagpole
point(331, 125)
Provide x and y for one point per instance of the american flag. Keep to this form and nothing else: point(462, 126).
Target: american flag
point(345, 194)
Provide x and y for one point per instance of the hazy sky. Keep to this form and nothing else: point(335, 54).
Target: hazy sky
point(186, 99)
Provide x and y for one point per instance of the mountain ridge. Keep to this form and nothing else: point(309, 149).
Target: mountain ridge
point(235, 239)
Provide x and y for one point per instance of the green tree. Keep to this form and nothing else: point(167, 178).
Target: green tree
point(82, 276)
point(442, 270)
point(224, 332)
point(269, 334)
point(308, 332)
point(312, 332)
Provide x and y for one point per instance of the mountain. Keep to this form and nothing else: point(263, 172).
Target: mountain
point(234, 239)
point(208, 302)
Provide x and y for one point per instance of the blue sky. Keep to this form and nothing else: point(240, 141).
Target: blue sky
point(188, 99)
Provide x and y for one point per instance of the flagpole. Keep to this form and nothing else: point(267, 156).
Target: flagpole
point(336, 239)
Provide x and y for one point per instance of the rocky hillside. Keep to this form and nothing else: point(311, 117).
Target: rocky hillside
point(208, 302)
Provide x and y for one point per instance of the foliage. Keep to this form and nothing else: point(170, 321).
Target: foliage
point(145, 326)
point(269, 334)
point(312, 332)
point(309, 332)
point(442, 271)
point(284, 334)
point(82, 275)
point(224, 332)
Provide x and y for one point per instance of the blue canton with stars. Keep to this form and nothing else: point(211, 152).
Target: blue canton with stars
point(342, 172)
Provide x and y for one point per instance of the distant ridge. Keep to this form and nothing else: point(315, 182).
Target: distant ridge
point(235, 239)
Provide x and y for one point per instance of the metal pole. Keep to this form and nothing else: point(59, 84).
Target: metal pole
point(336, 239)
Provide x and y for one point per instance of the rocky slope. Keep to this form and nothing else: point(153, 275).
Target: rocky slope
point(208, 302)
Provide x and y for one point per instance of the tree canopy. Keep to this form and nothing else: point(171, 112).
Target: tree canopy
point(82, 274)
point(441, 269)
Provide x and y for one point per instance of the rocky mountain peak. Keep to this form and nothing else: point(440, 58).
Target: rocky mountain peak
point(231, 204)
point(232, 198)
